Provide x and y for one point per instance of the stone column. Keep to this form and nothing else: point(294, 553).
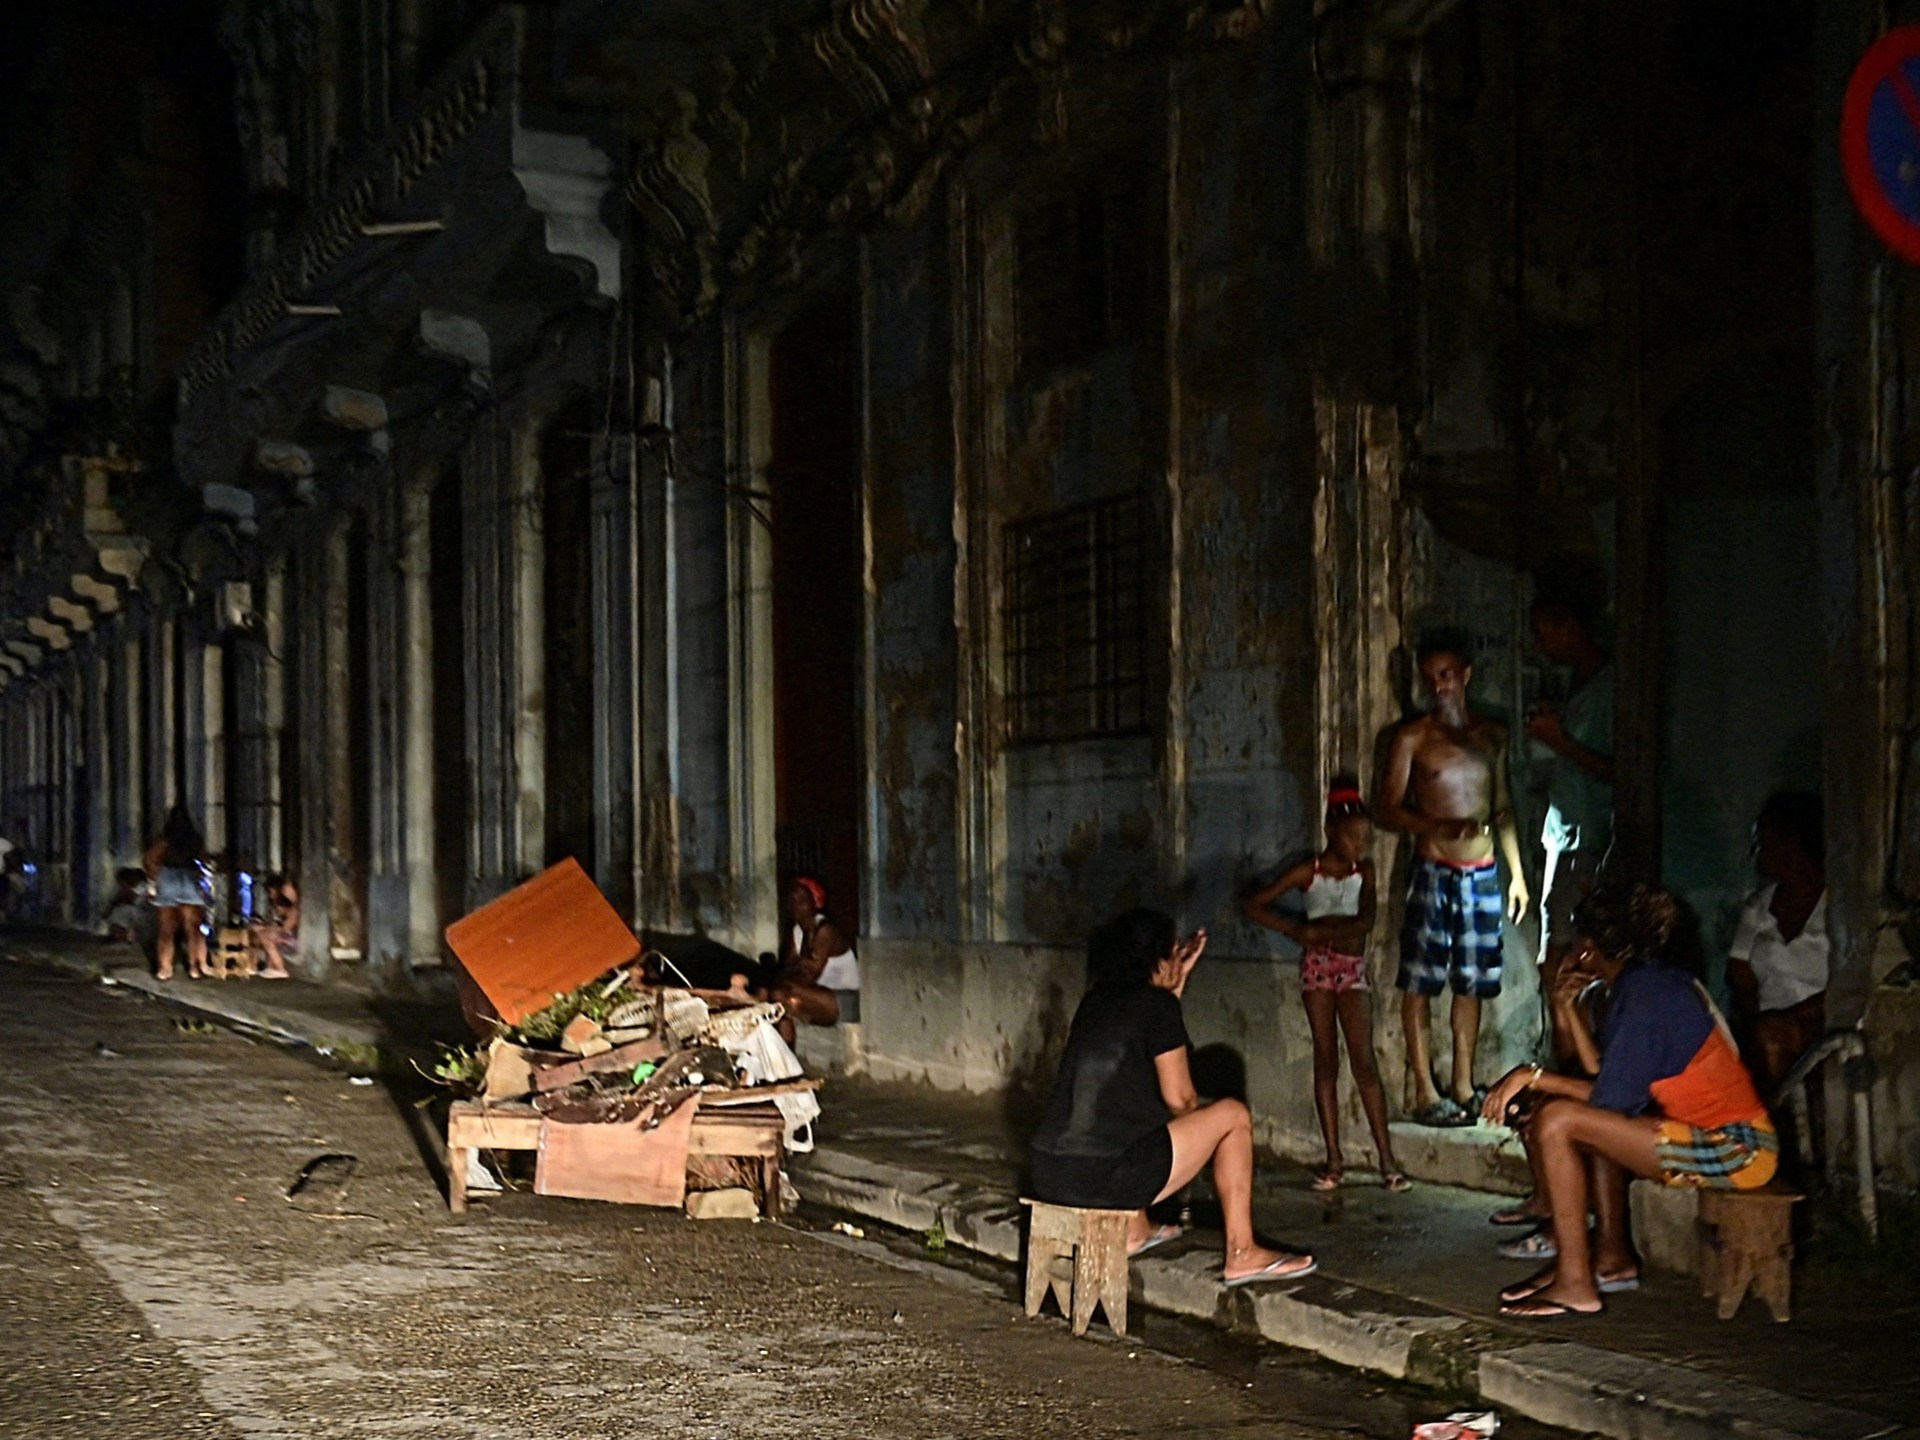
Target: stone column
point(616, 694)
point(416, 768)
point(125, 836)
point(525, 554)
point(96, 846)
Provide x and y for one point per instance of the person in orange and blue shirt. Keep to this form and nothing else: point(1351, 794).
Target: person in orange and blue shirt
point(1671, 1102)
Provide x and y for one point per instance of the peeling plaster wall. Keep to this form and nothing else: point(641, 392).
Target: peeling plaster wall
point(912, 852)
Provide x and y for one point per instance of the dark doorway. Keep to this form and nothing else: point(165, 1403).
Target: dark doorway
point(813, 395)
point(447, 602)
point(566, 479)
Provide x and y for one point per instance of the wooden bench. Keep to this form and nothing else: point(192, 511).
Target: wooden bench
point(751, 1131)
point(1746, 1238)
point(1082, 1255)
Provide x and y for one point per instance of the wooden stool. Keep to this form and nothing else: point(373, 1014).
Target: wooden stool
point(1082, 1254)
point(1746, 1237)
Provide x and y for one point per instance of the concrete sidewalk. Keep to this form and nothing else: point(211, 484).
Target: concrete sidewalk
point(1406, 1283)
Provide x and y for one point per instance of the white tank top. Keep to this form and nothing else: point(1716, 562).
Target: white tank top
point(841, 972)
point(1327, 896)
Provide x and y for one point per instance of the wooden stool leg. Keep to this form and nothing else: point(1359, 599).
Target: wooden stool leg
point(1086, 1288)
point(1040, 1257)
point(770, 1202)
point(457, 1178)
point(1736, 1271)
point(1110, 1254)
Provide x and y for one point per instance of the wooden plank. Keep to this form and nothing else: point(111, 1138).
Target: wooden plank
point(755, 1094)
point(541, 939)
point(494, 1131)
point(621, 1057)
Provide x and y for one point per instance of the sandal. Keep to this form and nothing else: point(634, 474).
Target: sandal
point(1287, 1267)
point(1442, 1114)
point(1327, 1177)
point(1541, 1308)
point(1528, 1288)
point(1396, 1181)
point(1538, 1246)
point(1616, 1284)
point(1517, 1215)
point(1159, 1235)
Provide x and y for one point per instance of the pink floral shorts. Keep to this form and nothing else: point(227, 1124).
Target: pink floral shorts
point(1324, 969)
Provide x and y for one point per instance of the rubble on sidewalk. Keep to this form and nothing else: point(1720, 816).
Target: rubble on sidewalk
point(607, 1081)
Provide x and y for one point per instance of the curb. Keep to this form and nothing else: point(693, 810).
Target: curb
point(1578, 1387)
point(1574, 1386)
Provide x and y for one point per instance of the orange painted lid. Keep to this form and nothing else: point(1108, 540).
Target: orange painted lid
point(541, 939)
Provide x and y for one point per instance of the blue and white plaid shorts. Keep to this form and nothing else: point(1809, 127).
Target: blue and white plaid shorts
point(1452, 930)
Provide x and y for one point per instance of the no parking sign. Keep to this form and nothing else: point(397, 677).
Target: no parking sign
point(1880, 139)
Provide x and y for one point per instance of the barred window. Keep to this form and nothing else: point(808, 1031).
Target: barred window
point(1077, 622)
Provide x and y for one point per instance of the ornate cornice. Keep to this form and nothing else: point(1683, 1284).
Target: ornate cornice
point(854, 118)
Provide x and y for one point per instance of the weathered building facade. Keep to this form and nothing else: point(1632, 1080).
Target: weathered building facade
point(997, 456)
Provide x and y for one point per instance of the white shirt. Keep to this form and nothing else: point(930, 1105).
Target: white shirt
point(1788, 970)
point(841, 972)
point(1332, 895)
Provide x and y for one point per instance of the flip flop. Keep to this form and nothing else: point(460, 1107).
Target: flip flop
point(1527, 1288)
point(1540, 1308)
point(1275, 1271)
point(1396, 1181)
point(1517, 1215)
point(1442, 1114)
point(1533, 1285)
point(1325, 1179)
point(1159, 1235)
point(1538, 1246)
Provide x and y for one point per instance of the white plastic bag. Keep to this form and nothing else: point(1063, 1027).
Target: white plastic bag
point(765, 1057)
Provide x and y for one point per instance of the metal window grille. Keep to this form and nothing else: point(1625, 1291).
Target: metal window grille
point(1076, 625)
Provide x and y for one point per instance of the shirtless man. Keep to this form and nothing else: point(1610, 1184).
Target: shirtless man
point(1446, 786)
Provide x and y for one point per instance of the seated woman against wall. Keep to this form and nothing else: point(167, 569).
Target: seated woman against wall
point(818, 975)
point(1671, 1102)
point(1123, 1128)
point(1777, 964)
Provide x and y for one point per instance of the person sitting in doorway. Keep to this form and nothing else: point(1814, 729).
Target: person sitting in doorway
point(1671, 1102)
point(1123, 1128)
point(818, 975)
point(277, 930)
point(1777, 964)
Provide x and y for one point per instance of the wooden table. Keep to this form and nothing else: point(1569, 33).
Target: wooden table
point(750, 1131)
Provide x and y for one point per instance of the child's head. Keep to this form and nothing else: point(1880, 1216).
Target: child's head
point(130, 878)
point(1349, 822)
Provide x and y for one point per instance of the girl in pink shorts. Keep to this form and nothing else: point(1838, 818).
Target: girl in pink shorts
point(1338, 890)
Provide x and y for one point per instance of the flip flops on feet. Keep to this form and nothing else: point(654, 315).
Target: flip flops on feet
point(1327, 1177)
point(1537, 1246)
point(1159, 1235)
point(1396, 1181)
point(1442, 1114)
point(1539, 1307)
point(1287, 1267)
point(1517, 1215)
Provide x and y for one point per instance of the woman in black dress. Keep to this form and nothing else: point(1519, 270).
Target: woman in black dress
point(1123, 1128)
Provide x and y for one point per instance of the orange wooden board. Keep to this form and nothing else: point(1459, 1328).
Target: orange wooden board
point(541, 939)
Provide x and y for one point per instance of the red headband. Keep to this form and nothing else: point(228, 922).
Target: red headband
point(814, 888)
point(1345, 795)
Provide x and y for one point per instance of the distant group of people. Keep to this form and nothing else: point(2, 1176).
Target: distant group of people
point(167, 902)
point(1641, 1074)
